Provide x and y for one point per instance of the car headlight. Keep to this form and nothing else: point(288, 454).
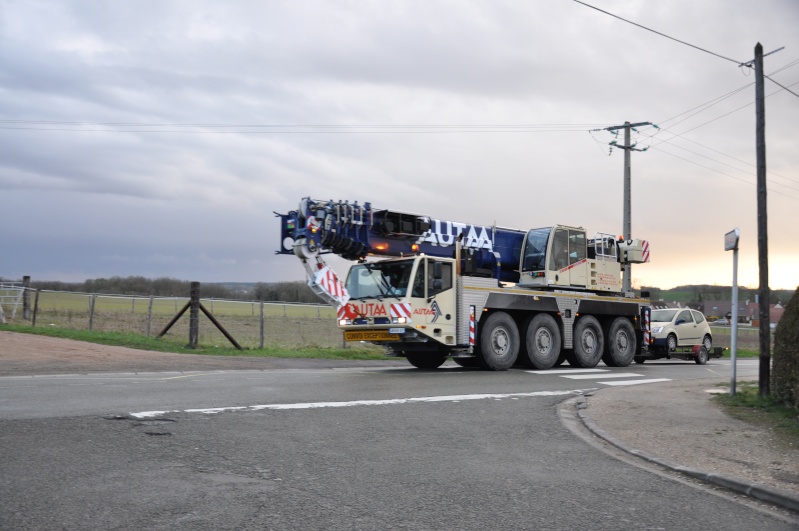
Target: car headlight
point(657, 329)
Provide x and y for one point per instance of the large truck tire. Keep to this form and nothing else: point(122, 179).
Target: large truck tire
point(589, 342)
point(426, 360)
point(542, 342)
point(619, 343)
point(499, 342)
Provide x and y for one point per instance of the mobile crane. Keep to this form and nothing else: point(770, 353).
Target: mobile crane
point(484, 296)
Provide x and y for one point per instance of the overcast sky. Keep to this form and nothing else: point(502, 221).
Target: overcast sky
point(157, 137)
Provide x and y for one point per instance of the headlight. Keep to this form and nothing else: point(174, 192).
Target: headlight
point(344, 322)
point(657, 329)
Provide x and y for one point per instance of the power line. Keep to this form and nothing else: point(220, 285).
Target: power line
point(657, 32)
point(728, 165)
point(785, 88)
point(718, 117)
point(721, 172)
point(724, 155)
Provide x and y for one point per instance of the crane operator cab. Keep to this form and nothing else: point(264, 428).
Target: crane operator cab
point(562, 256)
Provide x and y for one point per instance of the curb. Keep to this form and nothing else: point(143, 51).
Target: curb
point(779, 497)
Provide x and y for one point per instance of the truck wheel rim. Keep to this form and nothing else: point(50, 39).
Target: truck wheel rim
point(622, 342)
point(500, 340)
point(543, 341)
point(589, 341)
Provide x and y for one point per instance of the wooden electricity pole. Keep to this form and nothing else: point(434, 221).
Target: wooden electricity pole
point(762, 227)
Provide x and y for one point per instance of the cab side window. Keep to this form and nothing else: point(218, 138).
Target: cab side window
point(418, 281)
point(560, 250)
point(577, 249)
point(446, 278)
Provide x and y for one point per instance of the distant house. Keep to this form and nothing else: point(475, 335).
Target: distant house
point(747, 311)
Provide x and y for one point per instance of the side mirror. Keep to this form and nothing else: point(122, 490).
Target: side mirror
point(679, 321)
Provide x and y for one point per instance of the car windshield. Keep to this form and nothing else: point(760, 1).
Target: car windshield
point(663, 316)
point(379, 279)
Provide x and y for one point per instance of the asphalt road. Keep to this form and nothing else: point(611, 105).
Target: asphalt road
point(389, 448)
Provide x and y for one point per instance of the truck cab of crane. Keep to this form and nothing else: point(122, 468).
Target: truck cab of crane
point(412, 296)
point(563, 257)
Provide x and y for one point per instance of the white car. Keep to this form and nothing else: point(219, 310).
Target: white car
point(673, 328)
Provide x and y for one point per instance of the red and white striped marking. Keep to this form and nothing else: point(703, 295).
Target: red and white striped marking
point(645, 252)
point(401, 309)
point(471, 325)
point(327, 279)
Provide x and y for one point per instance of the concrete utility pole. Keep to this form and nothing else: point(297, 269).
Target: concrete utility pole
point(627, 147)
point(762, 226)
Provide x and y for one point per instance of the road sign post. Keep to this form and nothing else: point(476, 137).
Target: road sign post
point(731, 244)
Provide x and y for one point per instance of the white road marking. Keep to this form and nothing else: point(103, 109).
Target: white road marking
point(313, 405)
point(567, 371)
point(637, 382)
point(594, 376)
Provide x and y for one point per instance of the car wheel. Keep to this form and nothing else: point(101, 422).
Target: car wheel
point(707, 342)
point(701, 356)
point(671, 343)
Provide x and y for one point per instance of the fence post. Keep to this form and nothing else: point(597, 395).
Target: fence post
point(261, 344)
point(132, 305)
point(91, 311)
point(35, 308)
point(194, 315)
point(149, 316)
point(26, 298)
point(284, 310)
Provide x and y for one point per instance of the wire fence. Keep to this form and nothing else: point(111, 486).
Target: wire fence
point(253, 324)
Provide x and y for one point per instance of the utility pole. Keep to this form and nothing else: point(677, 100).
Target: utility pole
point(762, 226)
point(627, 223)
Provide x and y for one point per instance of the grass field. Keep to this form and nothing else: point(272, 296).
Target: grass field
point(285, 325)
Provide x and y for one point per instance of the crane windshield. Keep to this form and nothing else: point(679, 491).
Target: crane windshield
point(379, 279)
point(535, 249)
